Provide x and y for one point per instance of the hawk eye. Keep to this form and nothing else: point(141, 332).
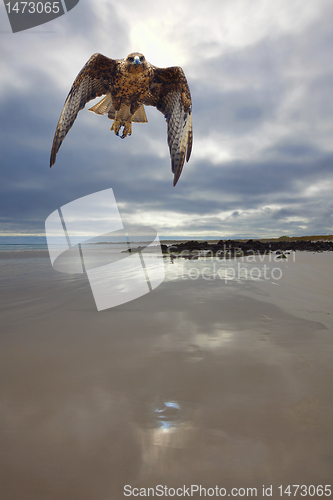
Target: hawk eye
point(142, 58)
point(131, 59)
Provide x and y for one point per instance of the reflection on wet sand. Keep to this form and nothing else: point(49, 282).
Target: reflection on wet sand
point(165, 431)
point(199, 382)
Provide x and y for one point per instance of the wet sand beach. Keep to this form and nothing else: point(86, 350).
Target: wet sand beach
point(213, 379)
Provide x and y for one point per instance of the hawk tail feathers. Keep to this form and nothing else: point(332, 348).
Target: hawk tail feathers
point(105, 106)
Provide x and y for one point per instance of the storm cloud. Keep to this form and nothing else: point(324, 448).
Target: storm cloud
point(261, 78)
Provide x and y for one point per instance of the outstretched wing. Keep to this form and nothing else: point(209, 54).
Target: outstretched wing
point(170, 93)
point(93, 81)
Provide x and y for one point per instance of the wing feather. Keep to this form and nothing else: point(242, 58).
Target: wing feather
point(94, 80)
point(170, 93)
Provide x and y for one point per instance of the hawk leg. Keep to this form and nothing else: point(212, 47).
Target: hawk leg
point(127, 127)
point(116, 124)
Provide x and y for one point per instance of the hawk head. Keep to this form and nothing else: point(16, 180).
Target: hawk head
point(135, 62)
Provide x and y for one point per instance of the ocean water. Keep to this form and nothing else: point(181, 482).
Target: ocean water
point(22, 247)
point(16, 247)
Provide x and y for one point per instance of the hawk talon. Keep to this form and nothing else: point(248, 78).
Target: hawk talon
point(116, 126)
point(127, 127)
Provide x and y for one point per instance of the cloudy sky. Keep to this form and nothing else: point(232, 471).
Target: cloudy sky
point(261, 78)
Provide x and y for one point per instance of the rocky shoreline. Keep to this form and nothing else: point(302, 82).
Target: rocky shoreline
point(234, 248)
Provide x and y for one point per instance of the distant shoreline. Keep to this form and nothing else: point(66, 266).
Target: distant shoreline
point(215, 241)
point(317, 243)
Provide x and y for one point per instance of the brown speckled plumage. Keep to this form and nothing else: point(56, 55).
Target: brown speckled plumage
point(129, 84)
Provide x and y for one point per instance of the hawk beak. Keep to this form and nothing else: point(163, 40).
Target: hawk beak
point(137, 60)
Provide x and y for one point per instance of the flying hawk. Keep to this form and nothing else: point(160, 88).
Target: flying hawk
point(129, 84)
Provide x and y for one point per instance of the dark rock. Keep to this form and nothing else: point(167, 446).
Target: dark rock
point(233, 248)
